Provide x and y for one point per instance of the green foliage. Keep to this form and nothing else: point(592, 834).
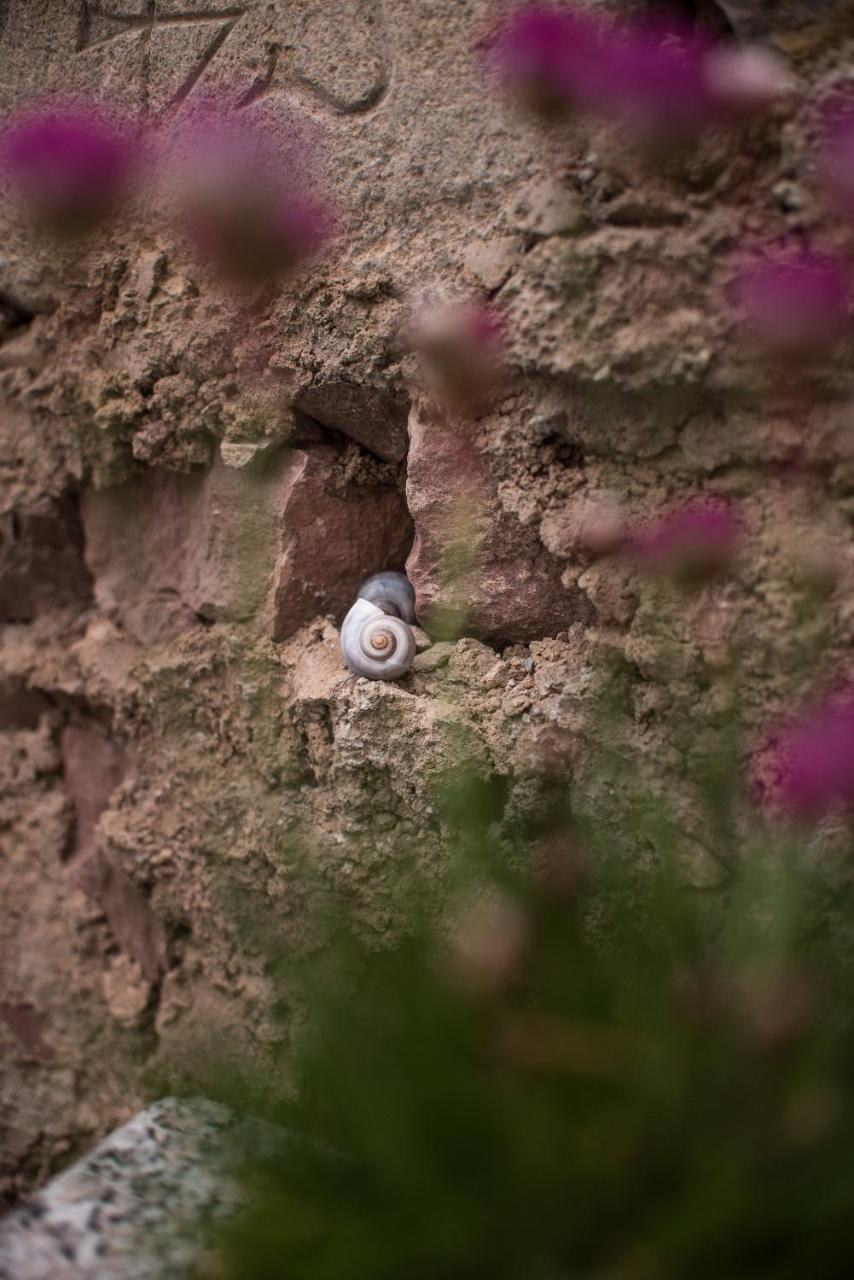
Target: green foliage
point(579, 1068)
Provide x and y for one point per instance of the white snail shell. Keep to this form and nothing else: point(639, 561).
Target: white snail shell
point(375, 643)
point(392, 592)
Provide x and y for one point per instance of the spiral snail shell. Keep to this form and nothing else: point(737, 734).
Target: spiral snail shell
point(376, 638)
point(392, 592)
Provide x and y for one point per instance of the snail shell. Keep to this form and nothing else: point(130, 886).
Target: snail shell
point(376, 643)
point(392, 592)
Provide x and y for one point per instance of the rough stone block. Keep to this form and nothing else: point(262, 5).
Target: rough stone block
point(334, 536)
point(136, 1205)
point(374, 419)
point(94, 766)
point(169, 551)
point(41, 561)
point(21, 708)
point(472, 558)
point(279, 545)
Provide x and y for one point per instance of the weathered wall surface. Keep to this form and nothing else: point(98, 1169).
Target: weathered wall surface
point(194, 482)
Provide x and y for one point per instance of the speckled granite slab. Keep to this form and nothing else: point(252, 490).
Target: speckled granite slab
point(135, 1207)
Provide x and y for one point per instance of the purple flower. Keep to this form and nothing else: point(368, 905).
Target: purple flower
point(463, 346)
point(691, 542)
point(657, 75)
point(807, 768)
point(836, 159)
point(253, 240)
point(244, 199)
point(550, 58)
point(793, 302)
point(668, 81)
point(70, 164)
point(482, 328)
point(744, 81)
point(657, 78)
point(302, 225)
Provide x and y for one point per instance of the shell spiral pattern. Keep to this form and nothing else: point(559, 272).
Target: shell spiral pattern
point(376, 642)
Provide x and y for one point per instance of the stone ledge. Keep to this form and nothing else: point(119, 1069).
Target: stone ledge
point(133, 1209)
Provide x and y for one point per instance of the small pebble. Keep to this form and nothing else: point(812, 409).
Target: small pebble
point(433, 658)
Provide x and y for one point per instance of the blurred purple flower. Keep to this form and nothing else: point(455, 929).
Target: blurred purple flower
point(745, 80)
point(657, 78)
point(70, 164)
point(302, 225)
point(793, 302)
point(671, 81)
point(463, 345)
point(836, 158)
point(244, 198)
point(483, 327)
point(691, 542)
point(550, 58)
point(256, 238)
point(658, 75)
point(807, 768)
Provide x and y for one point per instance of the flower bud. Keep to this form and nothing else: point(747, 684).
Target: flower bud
point(549, 59)
point(246, 204)
point(690, 543)
point(805, 768)
point(488, 940)
point(794, 302)
point(745, 81)
point(462, 346)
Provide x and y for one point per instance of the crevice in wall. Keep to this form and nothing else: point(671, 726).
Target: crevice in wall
point(704, 15)
point(13, 314)
point(41, 559)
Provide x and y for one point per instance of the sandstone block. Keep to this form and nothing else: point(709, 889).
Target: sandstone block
point(333, 537)
point(586, 526)
point(491, 261)
point(374, 419)
point(169, 550)
point(94, 766)
point(279, 545)
point(41, 561)
point(545, 208)
point(471, 558)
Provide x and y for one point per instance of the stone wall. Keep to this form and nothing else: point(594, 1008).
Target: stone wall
point(195, 480)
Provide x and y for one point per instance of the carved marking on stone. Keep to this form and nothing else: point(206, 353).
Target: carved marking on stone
point(370, 97)
point(341, 106)
point(208, 54)
point(101, 24)
point(104, 21)
point(265, 79)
